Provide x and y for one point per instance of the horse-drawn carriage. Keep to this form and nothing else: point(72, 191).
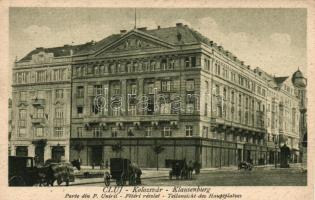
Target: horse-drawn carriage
point(122, 170)
point(180, 169)
point(245, 165)
point(23, 172)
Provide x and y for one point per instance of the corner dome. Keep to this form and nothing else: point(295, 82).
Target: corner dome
point(298, 79)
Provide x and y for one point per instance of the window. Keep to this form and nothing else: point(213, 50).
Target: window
point(80, 91)
point(217, 69)
point(232, 97)
point(79, 131)
point(114, 132)
point(59, 74)
point(22, 114)
point(80, 111)
point(187, 63)
point(224, 94)
point(96, 132)
point(116, 89)
point(22, 132)
point(23, 96)
point(40, 76)
point(98, 89)
point(166, 132)
point(133, 89)
point(189, 108)
point(151, 88)
point(58, 132)
point(205, 133)
point(39, 132)
point(166, 86)
point(163, 64)
point(59, 113)
point(22, 118)
point(39, 113)
point(165, 108)
point(193, 61)
point(95, 109)
point(190, 85)
point(189, 131)
point(132, 110)
point(59, 93)
point(240, 99)
point(148, 131)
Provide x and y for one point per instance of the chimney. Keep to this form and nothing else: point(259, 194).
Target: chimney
point(159, 27)
point(242, 63)
point(123, 31)
point(179, 24)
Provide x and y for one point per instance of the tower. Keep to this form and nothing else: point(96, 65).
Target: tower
point(300, 83)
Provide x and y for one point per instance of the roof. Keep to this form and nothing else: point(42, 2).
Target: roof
point(57, 51)
point(280, 80)
point(168, 35)
point(297, 74)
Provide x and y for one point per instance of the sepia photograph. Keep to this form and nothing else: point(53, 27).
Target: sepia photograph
point(157, 97)
point(168, 97)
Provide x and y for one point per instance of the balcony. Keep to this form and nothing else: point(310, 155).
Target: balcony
point(38, 102)
point(38, 120)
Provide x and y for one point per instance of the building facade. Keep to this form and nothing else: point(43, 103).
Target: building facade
point(170, 93)
point(41, 104)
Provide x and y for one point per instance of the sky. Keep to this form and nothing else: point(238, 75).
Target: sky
point(272, 39)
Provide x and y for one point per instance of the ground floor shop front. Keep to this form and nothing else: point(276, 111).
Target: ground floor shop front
point(153, 152)
point(42, 150)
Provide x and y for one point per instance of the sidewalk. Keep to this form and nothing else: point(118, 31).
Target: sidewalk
point(146, 174)
point(151, 173)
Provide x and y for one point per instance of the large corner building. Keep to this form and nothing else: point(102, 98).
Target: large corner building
point(168, 93)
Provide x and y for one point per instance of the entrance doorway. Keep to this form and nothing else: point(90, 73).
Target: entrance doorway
point(239, 155)
point(97, 155)
point(57, 152)
point(39, 153)
point(21, 151)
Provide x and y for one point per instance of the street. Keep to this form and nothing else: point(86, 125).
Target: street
point(257, 177)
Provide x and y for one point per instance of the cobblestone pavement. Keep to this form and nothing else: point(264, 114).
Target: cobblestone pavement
point(220, 177)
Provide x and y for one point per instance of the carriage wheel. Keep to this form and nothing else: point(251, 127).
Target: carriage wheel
point(59, 181)
point(67, 182)
point(107, 179)
point(122, 179)
point(17, 181)
point(132, 179)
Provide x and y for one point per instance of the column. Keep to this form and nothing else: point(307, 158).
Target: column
point(31, 150)
point(140, 93)
point(67, 149)
point(47, 152)
point(124, 96)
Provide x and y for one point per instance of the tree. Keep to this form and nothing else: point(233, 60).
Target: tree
point(117, 148)
point(157, 150)
point(79, 146)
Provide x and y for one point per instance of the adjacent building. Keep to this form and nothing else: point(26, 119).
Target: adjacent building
point(154, 96)
point(41, 100)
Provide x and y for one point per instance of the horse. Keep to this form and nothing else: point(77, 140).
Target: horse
point(190, 168)
point(245, 165)
point(62, 172)
point(135, 172)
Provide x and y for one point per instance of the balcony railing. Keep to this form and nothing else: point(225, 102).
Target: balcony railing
point(38, 102)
